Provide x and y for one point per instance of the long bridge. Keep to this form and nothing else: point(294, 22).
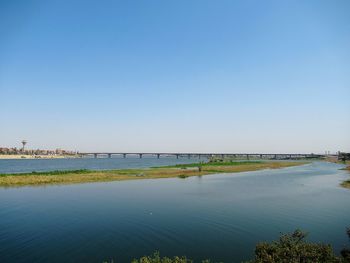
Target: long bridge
point(276, 156)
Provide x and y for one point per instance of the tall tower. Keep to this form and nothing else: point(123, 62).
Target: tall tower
point(24, 142)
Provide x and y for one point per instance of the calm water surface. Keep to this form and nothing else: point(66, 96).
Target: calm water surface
point(29, 165)
point(216, 216)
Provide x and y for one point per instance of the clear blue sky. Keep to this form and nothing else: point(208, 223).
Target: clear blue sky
point(218, 76)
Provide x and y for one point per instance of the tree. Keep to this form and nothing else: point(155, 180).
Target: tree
point(345, 253)
point(292, 248)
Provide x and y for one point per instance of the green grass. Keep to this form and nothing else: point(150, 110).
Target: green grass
point(346, 184)
point(73, 172)
point(180, 171)
point(55, 172)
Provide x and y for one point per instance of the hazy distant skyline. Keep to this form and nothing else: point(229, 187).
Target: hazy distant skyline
point(176, 76)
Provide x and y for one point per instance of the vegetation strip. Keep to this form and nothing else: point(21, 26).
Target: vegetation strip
point(181, 171)
point(289, 248)
point(346, 183)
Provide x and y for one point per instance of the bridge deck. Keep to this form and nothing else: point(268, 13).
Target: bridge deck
point(222, 155)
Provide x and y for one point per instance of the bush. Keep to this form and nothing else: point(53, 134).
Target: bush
point(157, 259)
point(292, 248)
point(345, 253)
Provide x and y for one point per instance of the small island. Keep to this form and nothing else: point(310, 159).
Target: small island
point(180, 171)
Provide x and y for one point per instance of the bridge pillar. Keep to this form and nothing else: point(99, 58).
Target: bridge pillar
point(177, 156)
point(247, 156)
point(222, 156)
point(140, 155)
point(276, 156)
point(124, 155)
point(109, 155)
point(189, 156)
point(95, 155)
point(158, 155)
point(260, 156)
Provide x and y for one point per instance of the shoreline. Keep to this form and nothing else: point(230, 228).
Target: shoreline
point(176, 171)
point(346, 183)
point(31, 157)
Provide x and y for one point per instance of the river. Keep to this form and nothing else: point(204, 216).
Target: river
point(219, 216)
point(29, 165)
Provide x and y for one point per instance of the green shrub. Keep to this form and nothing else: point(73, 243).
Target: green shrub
point(292, 248)
point(345, 253)
point(155, 258)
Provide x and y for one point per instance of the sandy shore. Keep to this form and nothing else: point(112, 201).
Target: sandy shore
point(24, 156)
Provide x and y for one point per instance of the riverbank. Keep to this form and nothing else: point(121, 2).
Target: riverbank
point(346, 183)
point(181, 171)
point(27, 156)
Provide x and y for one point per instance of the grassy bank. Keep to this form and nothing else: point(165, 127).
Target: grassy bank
point(346, 183)
point(181, 171)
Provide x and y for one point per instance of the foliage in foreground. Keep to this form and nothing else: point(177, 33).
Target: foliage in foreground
point(290, 248)
point(155, 258)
